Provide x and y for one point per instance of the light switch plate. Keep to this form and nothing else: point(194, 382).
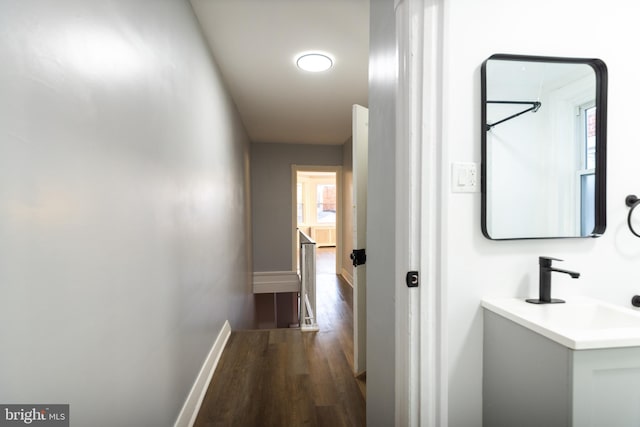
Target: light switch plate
point(464, 177)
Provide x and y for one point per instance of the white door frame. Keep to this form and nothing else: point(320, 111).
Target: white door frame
point(294, 212)
point(360, 166)
point(421, 368)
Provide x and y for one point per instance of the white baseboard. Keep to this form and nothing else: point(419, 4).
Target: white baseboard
point(347, 277)
point(275, 281)
point(191, 406)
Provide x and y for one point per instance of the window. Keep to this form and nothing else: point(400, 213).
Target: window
point(326, 203)
point(587, 126)
point(589, 123)
point(316, 194)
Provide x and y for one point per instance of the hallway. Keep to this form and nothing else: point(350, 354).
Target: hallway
point(283, 377)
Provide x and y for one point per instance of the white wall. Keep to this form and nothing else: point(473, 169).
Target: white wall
point(519, 155)
point(477, 267)
point(124, 243)
point(381, 275)
point(271, 199)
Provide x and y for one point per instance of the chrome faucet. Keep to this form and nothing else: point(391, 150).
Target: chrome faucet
point(545, 281)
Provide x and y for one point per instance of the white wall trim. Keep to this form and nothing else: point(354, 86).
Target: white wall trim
point(434, 372)
point(347, 277)
point(275, 281)
point(409, 28)
point(191, 407)
point(420, 382)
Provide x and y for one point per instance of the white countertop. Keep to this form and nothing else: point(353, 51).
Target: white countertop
point(580, 323)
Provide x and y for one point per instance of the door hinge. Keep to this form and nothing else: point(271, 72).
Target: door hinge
point(359, 257)
point(413, 279)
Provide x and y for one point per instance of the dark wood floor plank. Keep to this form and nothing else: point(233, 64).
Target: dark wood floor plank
point(285, 377)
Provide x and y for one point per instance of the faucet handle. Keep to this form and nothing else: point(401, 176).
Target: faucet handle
point(545, 261)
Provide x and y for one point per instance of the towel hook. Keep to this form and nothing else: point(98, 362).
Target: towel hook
point(632, 201)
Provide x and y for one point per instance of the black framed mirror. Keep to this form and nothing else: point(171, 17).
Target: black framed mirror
point(544, 140)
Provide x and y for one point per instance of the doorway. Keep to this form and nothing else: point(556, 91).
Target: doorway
point(317, 209)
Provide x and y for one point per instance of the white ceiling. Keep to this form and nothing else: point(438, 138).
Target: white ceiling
point(254, 43)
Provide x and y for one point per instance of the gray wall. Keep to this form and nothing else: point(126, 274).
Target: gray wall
point(381, 277)
point(271, 201)
point(123, 208)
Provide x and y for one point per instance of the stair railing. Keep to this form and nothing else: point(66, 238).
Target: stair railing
point(307, 266)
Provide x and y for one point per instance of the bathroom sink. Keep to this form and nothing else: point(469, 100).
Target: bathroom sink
point(581, 323)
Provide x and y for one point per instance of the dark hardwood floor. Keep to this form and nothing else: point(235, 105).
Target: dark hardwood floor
point(285, 377)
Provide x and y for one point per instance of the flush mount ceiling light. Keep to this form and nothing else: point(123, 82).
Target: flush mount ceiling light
point(314, 62)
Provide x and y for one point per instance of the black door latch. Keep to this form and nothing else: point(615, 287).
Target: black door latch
point(358, 256)
point(413, 279)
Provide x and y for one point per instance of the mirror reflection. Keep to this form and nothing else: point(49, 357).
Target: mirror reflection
point(543, 147)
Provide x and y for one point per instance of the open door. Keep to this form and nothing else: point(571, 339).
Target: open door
point(360, 160)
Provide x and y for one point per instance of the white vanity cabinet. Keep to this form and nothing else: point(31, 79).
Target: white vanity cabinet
point(533, 378)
